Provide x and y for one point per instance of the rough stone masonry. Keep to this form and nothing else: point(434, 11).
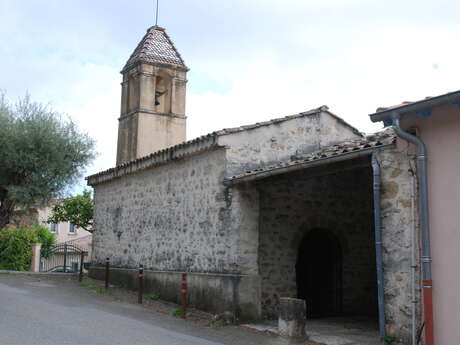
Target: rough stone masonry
point(171, 211)
point(233, 208)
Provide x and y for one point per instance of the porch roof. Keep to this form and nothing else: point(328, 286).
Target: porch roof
point(329, 154)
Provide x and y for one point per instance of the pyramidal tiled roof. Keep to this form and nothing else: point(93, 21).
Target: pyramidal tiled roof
point(156, 47)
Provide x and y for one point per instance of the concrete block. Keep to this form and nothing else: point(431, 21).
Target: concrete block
point(292, 317)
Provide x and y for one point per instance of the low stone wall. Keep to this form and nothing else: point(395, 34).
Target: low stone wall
point(215, 293)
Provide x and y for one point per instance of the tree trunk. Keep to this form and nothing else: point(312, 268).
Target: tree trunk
point(4, 217)
point(6, 209)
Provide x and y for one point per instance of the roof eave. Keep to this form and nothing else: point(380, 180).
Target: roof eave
point(452, 97)
point(179, 151)
point(127, 67)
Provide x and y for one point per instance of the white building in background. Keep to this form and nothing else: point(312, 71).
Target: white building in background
point(66, 232)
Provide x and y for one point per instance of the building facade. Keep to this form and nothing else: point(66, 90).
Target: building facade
point(66, 232)
point(300, 206)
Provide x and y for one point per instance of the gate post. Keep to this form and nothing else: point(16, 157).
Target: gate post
point(36, 255)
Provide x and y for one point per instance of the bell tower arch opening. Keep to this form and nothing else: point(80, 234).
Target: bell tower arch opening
point(163, 88)
point(319, 273)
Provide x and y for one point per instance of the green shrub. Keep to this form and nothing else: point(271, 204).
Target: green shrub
point(16, 246)
point(46, 238)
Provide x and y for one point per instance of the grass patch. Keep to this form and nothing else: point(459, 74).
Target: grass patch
point(176, 312)
point(96, 288)
point(388, 340)
point(153, 296)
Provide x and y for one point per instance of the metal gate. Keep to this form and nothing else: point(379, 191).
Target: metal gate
point(63, 257)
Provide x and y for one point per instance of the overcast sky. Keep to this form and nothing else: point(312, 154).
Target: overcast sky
point(250, 60)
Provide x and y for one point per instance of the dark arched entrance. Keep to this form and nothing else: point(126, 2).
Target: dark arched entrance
point(319, 273)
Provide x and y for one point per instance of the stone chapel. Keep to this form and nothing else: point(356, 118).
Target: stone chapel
point(282, 208)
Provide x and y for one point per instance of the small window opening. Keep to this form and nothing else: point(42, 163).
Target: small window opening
point(72, 228)
point(52, 227)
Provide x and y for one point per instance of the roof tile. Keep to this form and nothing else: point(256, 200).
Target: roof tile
point(156, 46)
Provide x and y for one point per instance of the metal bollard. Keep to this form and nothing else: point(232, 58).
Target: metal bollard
point(183, 295)
point(82, 258)
point(141, 284)
point(107, 267)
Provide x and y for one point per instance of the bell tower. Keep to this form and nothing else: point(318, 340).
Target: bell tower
point(152, 98)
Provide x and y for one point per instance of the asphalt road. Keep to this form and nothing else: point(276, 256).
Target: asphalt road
point(57, 312)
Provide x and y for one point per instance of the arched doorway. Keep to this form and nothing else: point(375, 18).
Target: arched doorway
point(319, 273)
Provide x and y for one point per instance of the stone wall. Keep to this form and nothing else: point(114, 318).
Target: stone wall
point(318, 198)
point(214, 292)
point(177, 218)
point(243, 201)
point(341, 202)
point(267, 144)
point(398, 223)
point(171, 217)
point(176, 215)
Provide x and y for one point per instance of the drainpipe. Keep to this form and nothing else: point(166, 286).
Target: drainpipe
point(378, 244)
point(413, 259)
point(427, 282)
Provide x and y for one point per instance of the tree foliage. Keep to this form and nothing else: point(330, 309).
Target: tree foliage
point(77, 210)
point(16, 246)
point(41, 154)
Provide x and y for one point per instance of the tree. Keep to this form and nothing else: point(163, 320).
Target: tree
point(41, 154)
point(77, 210)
